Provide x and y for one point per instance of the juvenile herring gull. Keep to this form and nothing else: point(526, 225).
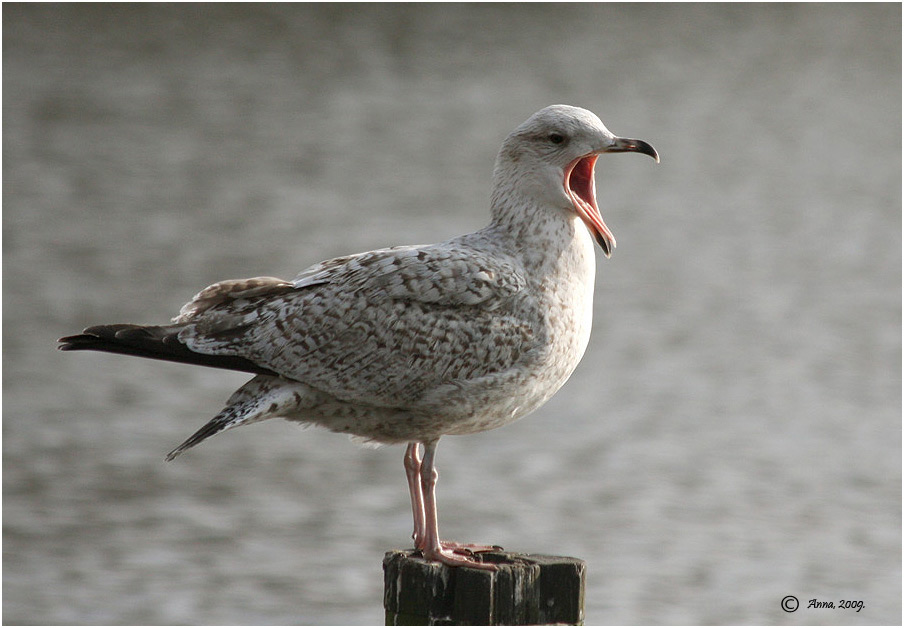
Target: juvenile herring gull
point(409, 343)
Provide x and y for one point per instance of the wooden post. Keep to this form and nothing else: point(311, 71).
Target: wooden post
point(526, 589)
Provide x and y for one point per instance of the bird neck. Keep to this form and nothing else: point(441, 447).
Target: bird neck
point(547, 238)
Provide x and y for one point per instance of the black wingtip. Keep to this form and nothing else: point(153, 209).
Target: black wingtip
point(159, 343)
point(77, 342)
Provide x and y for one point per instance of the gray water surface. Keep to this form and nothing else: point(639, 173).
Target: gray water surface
point(733, 435)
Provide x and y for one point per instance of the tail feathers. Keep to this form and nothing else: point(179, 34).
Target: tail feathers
point(157, 342)
point(260, 399)
point(223, 421)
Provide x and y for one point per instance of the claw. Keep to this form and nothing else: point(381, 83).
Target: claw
point(469, 549)
point(450, 558)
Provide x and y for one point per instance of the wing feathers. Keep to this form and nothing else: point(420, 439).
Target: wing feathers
point(231, 290)
point(379, 327)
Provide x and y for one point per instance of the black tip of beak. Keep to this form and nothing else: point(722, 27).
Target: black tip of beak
point(623, 145)
point(605, 244)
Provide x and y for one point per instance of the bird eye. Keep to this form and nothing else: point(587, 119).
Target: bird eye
point(556, 138)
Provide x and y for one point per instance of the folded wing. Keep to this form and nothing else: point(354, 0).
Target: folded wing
point(380, 328)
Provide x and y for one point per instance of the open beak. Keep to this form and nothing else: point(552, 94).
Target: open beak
point(581, 188)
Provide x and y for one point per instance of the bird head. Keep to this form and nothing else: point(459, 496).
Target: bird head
point(552, 156)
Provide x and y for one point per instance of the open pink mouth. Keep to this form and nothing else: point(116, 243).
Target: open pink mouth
point(581, 189)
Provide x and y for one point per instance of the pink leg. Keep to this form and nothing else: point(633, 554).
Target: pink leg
point(432, 548)
point(413, 472)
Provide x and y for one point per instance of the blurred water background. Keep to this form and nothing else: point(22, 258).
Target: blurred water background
point(732, 436)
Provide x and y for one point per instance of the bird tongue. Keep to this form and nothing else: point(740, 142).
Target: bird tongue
point(581, 189)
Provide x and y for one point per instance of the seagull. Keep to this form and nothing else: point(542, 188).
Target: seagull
point(404, 345)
